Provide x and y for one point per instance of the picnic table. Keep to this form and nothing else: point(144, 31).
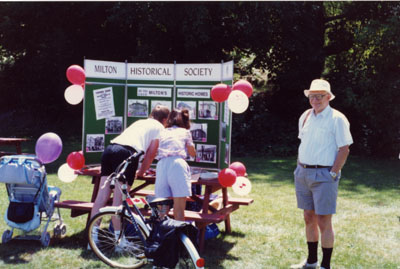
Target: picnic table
point(207, 214)
point(14, 141)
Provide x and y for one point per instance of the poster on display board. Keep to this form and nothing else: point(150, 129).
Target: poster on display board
point(120, 93)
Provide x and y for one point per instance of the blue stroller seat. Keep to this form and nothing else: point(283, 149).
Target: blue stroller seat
point(31, 200)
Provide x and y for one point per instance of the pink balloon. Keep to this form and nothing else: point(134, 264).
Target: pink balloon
point(76, 74)
point(48, 147)
point(220, 92)
point(227, 177)
point(239, 168)
point(244, 86)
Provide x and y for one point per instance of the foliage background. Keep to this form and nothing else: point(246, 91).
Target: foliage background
point(279, 46)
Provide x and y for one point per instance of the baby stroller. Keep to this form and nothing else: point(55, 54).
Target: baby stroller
point(31, 201)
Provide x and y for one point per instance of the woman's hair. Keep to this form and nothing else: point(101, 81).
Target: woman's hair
point(179, 118)
point(160, 113)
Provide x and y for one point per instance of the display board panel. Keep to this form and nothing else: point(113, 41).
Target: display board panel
point(117, 94)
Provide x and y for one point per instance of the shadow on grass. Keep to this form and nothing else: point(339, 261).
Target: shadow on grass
point(216, 250)
point(19, 251)
point(76, 241)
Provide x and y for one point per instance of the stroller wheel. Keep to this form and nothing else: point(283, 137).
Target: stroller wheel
point(45, 239)
point(7, 235)
point(60, 230)
point(63, 229)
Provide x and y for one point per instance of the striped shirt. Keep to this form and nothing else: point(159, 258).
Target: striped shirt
point(322, 135)
point(173, 142)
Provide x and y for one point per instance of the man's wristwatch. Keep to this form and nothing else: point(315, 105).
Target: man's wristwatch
point(333, 174)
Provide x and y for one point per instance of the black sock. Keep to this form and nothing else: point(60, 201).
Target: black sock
point(312, 252)
point(326, 258)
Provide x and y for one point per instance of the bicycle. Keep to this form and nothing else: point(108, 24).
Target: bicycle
point(128, 250)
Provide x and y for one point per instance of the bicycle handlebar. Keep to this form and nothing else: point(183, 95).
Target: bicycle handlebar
point(122, 167)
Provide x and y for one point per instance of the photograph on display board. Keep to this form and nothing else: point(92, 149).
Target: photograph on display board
point(138, 108)
point(208, 110)
point(227, 153)
point(223, 131)
point(190, 105)
point(114, 125)
point(206, 153)
point(199, 132)
point(154, 103)
point(95, 142)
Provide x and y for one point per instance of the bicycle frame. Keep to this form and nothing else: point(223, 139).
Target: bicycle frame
point(125, 209)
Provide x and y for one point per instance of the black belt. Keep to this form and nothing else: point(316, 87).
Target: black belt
point(313, 166)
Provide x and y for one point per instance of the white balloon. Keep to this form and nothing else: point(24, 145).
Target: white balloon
point(242, 186)
point(74, 94)
point(66, 173)
point(238, 101)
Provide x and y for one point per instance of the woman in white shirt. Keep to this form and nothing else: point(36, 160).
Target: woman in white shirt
point(173, 172)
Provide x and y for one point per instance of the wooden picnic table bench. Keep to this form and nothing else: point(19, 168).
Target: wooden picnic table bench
point(205, 216)
point(13, 141)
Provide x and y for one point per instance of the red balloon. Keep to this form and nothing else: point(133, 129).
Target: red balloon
point(239, 168)
point(76, 160)
point(227, 177)
point(76, 74)
point(244, 86)
point(220, 92)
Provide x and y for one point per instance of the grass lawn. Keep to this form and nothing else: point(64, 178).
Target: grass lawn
point(267, 234)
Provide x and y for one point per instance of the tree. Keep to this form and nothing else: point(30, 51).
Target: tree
point(365, 75)
point(355, 45)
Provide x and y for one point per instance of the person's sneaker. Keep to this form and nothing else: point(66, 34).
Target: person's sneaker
point(304, 265)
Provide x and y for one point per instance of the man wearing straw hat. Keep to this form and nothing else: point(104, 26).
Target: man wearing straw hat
point(325, 139)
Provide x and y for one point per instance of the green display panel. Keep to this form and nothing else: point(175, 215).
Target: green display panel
point(118, 94)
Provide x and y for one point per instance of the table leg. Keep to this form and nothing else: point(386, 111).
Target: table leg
point(18, 147)
point(206, 199)
point(96, 184)
point(225, 203)
point(201, 236)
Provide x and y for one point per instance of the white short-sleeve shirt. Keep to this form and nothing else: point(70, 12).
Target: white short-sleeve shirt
point(140, 134)
point(322, 135)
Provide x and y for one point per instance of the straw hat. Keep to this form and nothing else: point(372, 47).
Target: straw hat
point(319, 85)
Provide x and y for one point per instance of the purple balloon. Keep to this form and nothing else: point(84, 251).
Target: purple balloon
point(48, 147)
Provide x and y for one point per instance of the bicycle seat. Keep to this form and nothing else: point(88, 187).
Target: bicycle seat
point(154, 201)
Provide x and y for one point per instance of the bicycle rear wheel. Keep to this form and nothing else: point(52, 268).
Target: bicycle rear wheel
point(128, 252)
point(188, 256)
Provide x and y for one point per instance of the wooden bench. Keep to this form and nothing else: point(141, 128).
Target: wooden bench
point(79, 208)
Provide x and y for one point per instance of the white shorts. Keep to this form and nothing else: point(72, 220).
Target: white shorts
point(173, 178)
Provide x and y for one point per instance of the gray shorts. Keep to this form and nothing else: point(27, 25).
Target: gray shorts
point(316, 190)
point(173, 178)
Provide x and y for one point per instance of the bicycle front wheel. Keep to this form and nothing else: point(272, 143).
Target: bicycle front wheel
point(125, 252)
